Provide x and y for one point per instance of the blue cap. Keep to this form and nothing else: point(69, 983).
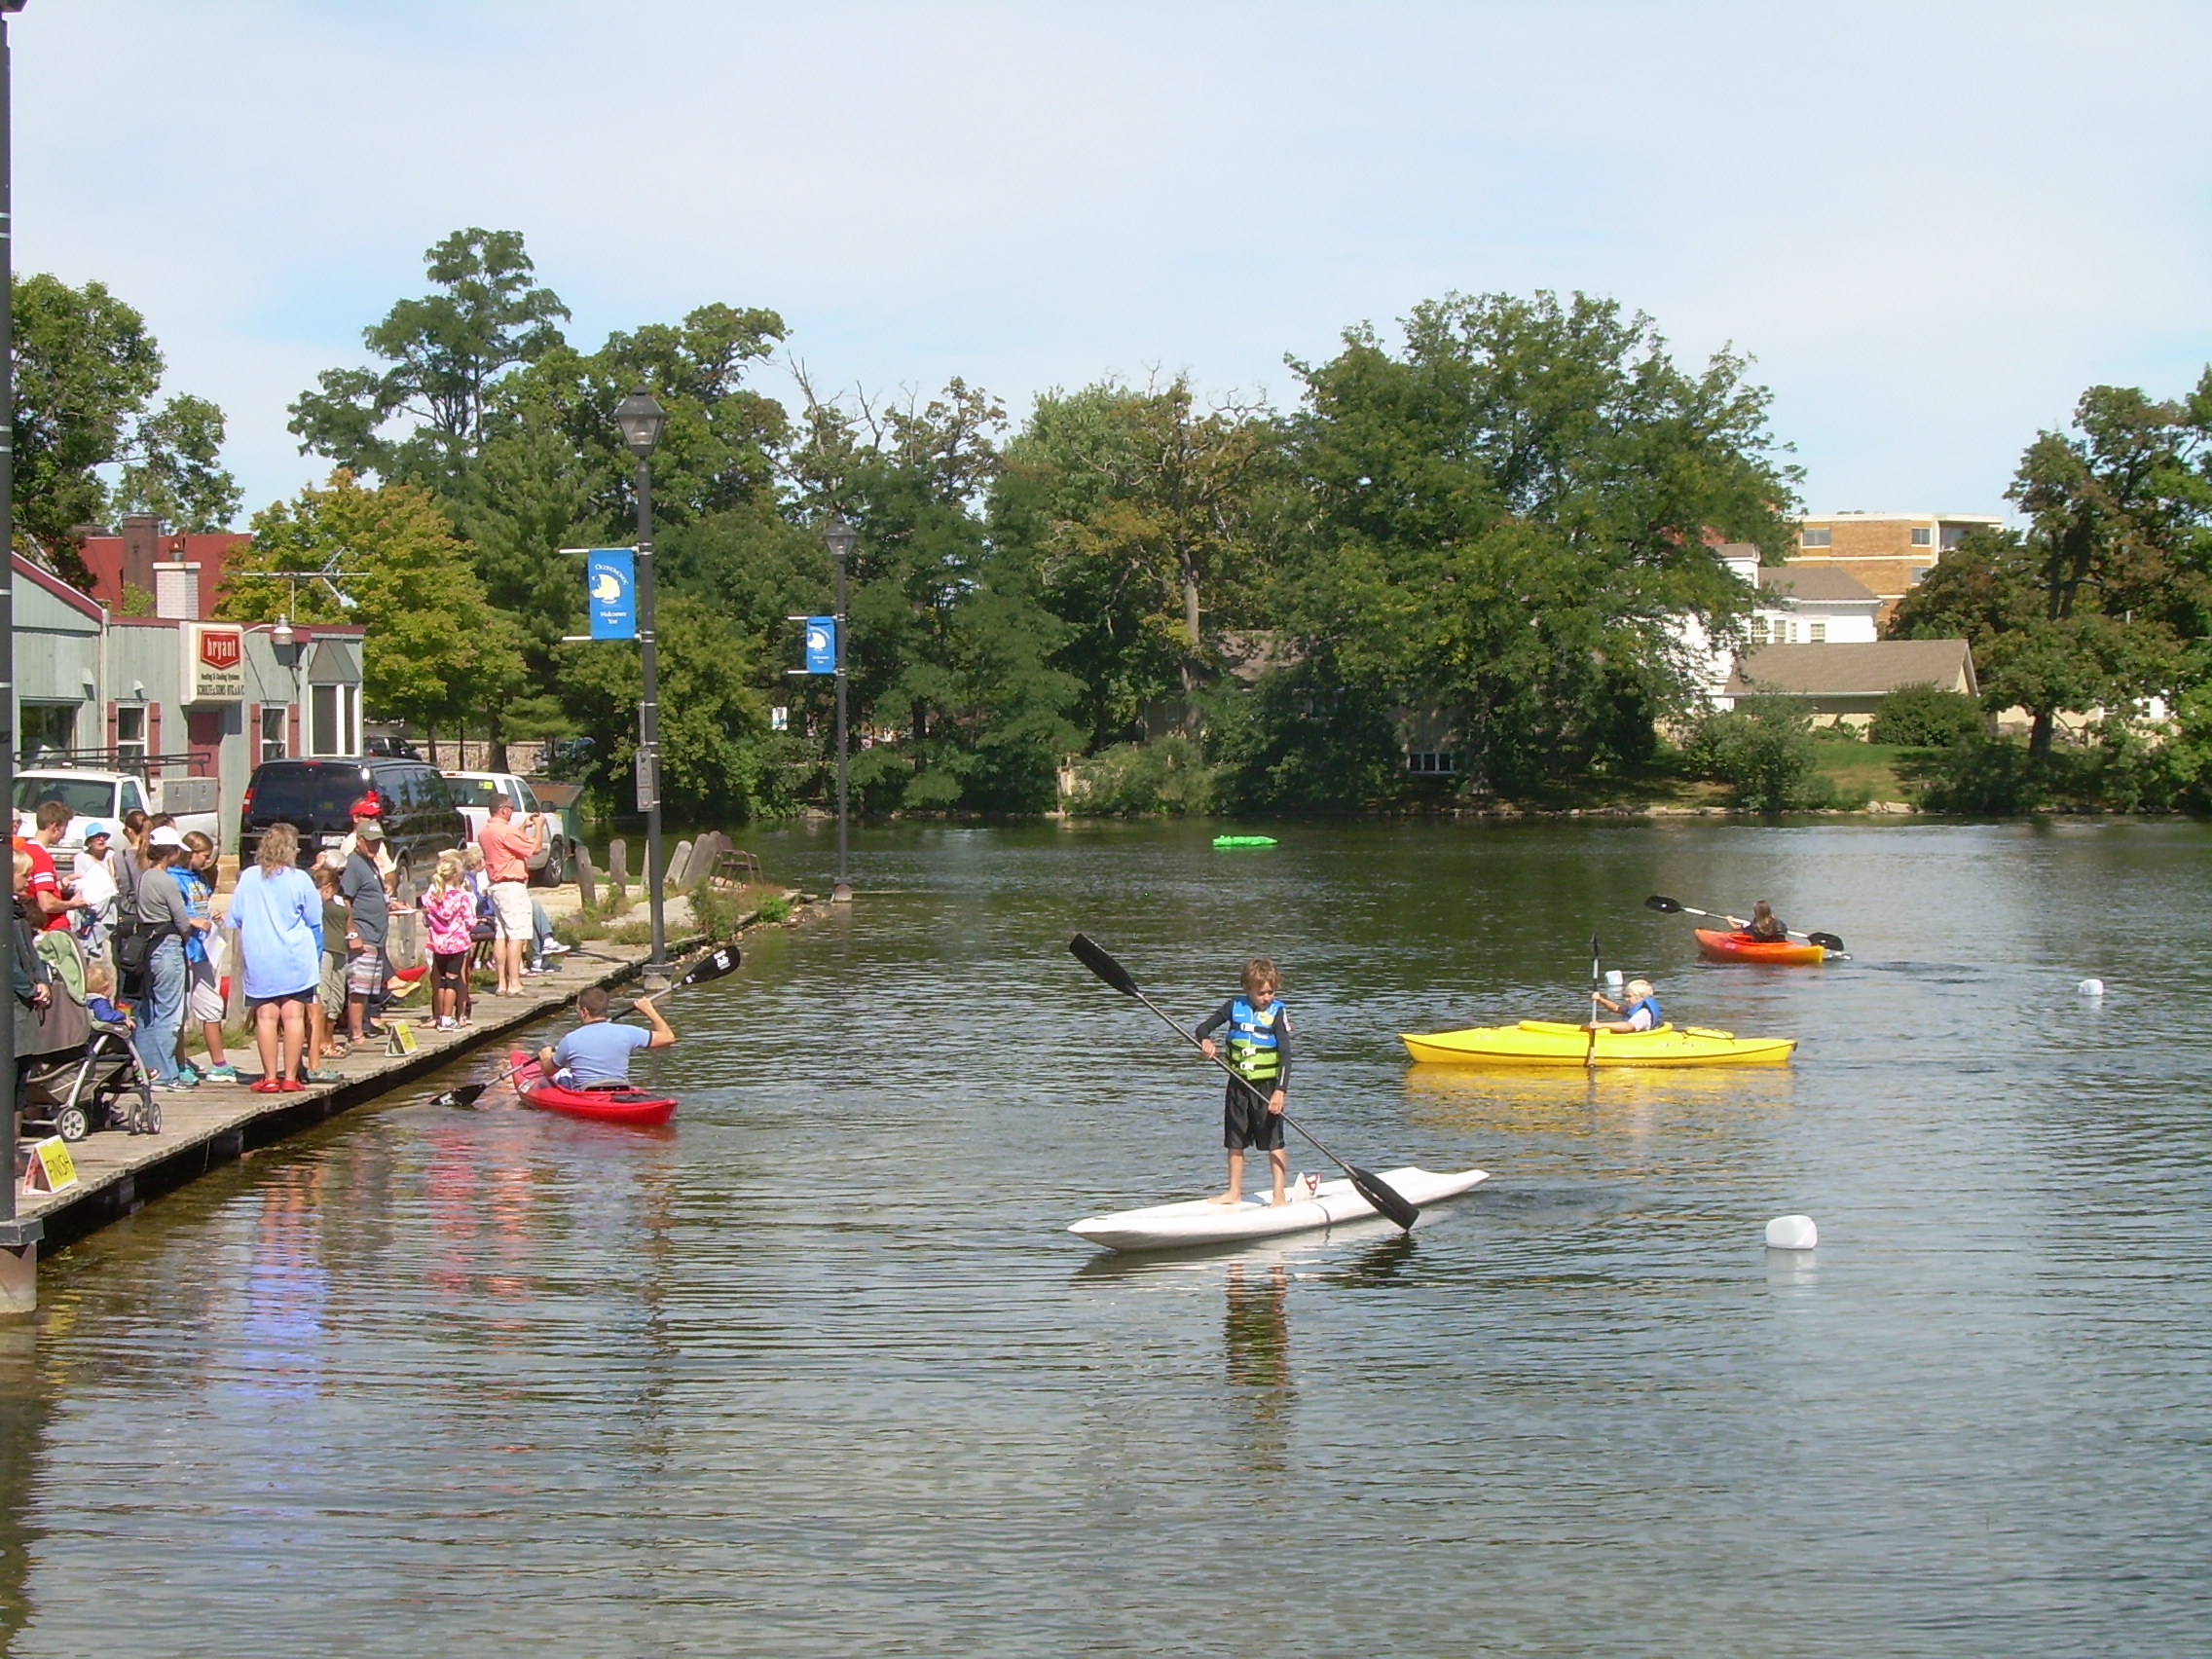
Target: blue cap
point(96, 827)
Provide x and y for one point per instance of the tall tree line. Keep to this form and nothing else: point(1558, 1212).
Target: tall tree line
point(1489, 525)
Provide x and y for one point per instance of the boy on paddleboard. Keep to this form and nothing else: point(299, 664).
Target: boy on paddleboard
point(1259, 1049)
point(599, 1051)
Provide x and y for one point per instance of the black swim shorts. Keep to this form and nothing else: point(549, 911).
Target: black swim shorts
point(1246, 1120)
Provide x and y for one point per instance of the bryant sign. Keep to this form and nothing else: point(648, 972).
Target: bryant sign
point(218, 664)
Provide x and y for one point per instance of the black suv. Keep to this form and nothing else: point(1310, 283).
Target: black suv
point(316, 799)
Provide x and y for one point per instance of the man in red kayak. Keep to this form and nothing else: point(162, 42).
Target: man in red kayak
point(597, 1052)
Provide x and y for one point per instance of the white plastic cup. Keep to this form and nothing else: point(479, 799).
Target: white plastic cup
point(1612, 979)
point(1791, 1232)
point(2089, 988)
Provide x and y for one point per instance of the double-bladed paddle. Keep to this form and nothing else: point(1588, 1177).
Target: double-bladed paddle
point(1676, 907)
point(712, 966)
point(1385, 1198)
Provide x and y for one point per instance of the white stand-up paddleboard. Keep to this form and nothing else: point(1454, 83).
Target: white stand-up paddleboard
point(1175, 1227)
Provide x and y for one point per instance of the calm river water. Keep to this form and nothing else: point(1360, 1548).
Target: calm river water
point(818, 1371)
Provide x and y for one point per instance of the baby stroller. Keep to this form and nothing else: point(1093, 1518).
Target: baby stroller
point(104, 1086)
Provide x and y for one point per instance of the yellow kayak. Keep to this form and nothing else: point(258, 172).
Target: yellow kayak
point(1553, 1042)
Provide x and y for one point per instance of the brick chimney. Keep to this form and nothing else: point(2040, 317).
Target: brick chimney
point(141, 549)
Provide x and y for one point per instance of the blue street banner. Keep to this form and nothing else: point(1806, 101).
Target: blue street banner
point(822, 645)
point(610, 575)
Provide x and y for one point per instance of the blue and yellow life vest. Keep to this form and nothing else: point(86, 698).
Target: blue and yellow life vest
point(1252, 1039)
point(1651, 1003)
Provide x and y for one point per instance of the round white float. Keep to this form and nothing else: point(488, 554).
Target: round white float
point(1791, 1232)
point(2089, 988)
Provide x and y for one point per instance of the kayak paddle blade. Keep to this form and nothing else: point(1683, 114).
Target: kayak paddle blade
point(1092, 956)
point(466, 1095)
point(1825, 941)
point(1386, 1198)
point(1665, 906)
point(713, 966)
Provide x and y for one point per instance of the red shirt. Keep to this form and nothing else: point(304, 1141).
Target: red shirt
point(42, 879)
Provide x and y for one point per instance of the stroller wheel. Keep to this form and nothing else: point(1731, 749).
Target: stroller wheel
point(72, 1123)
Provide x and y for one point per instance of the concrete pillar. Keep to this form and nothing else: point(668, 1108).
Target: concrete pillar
point(18, 1278)
point(588, 878)
point(680, 867)
point(619, 865)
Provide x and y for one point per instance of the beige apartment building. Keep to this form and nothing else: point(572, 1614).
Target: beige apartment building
point(1886, 553)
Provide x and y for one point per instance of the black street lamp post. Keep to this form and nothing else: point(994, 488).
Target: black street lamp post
point(641, 418)
point(841, 536)
point(18, 1240)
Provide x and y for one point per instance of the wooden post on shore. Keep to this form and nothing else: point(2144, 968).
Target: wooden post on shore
point(680, 867)
point(588, 878)
point(234, 969)
point(619, 865)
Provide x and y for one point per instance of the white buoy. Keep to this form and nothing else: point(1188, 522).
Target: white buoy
point(2089, 988)
point(1612, 979)
point(1791, 1232)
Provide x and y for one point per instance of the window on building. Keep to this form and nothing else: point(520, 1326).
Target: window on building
point(1817, 632)
point(274, 740)
point(1923, 536)
point(1788, 633)
point(1953, 534)
point(334, 720)
point(1916, 574)
point(129, 733)
point(46, 729)
point(1432, 761)
point(1812, 536)
point(1758, 631)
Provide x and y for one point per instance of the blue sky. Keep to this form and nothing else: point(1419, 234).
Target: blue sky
point(1930, 225)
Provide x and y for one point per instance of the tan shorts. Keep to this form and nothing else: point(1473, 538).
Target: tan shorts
point(511, 898)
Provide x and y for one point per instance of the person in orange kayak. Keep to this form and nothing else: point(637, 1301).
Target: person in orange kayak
point(1641, 1013)
point(1764, 927)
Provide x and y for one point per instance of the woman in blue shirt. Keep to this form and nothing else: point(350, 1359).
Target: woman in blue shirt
point(278, 915)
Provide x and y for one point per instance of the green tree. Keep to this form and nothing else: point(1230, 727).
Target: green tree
point(1148, 515)
point(86, 370)
point(1926, 716)
point(435, 650)
point(951, 648)
point(1763, 750)
point(1510, 520)
point(2105, 601)
point(446, 352)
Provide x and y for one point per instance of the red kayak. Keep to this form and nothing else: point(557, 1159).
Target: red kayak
point(613, 1103)
point(1717, 946)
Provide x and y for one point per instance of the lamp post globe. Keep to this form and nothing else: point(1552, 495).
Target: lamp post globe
point(639, 417)
point(841, 536)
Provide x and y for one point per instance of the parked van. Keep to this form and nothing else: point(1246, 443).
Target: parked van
point(316, 798)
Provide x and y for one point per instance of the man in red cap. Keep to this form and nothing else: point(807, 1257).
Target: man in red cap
point(374, 848)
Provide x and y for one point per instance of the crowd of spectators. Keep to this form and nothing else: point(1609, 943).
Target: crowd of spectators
point(137, 914)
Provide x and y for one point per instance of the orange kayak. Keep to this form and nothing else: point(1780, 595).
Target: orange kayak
point(1717, 946)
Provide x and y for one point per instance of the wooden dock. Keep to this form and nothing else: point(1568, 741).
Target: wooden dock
point(217, 1123)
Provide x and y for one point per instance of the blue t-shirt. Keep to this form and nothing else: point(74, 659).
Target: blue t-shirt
point(599, 1052)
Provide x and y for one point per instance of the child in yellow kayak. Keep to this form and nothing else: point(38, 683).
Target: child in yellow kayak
point(1641, 1013)
point(1259, 1049)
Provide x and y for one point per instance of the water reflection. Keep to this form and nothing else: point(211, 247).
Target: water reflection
point(1256, 1339)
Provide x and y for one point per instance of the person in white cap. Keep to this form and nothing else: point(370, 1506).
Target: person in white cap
point(96, 885)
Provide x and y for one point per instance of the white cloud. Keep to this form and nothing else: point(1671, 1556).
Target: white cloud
point(1932, 224)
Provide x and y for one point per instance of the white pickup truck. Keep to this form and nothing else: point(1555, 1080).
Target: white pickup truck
point(472, 792)
point(105, 796)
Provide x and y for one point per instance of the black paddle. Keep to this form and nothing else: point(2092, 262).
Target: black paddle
point(712, 966)
point(1385, 1198)
point(1676, 907)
